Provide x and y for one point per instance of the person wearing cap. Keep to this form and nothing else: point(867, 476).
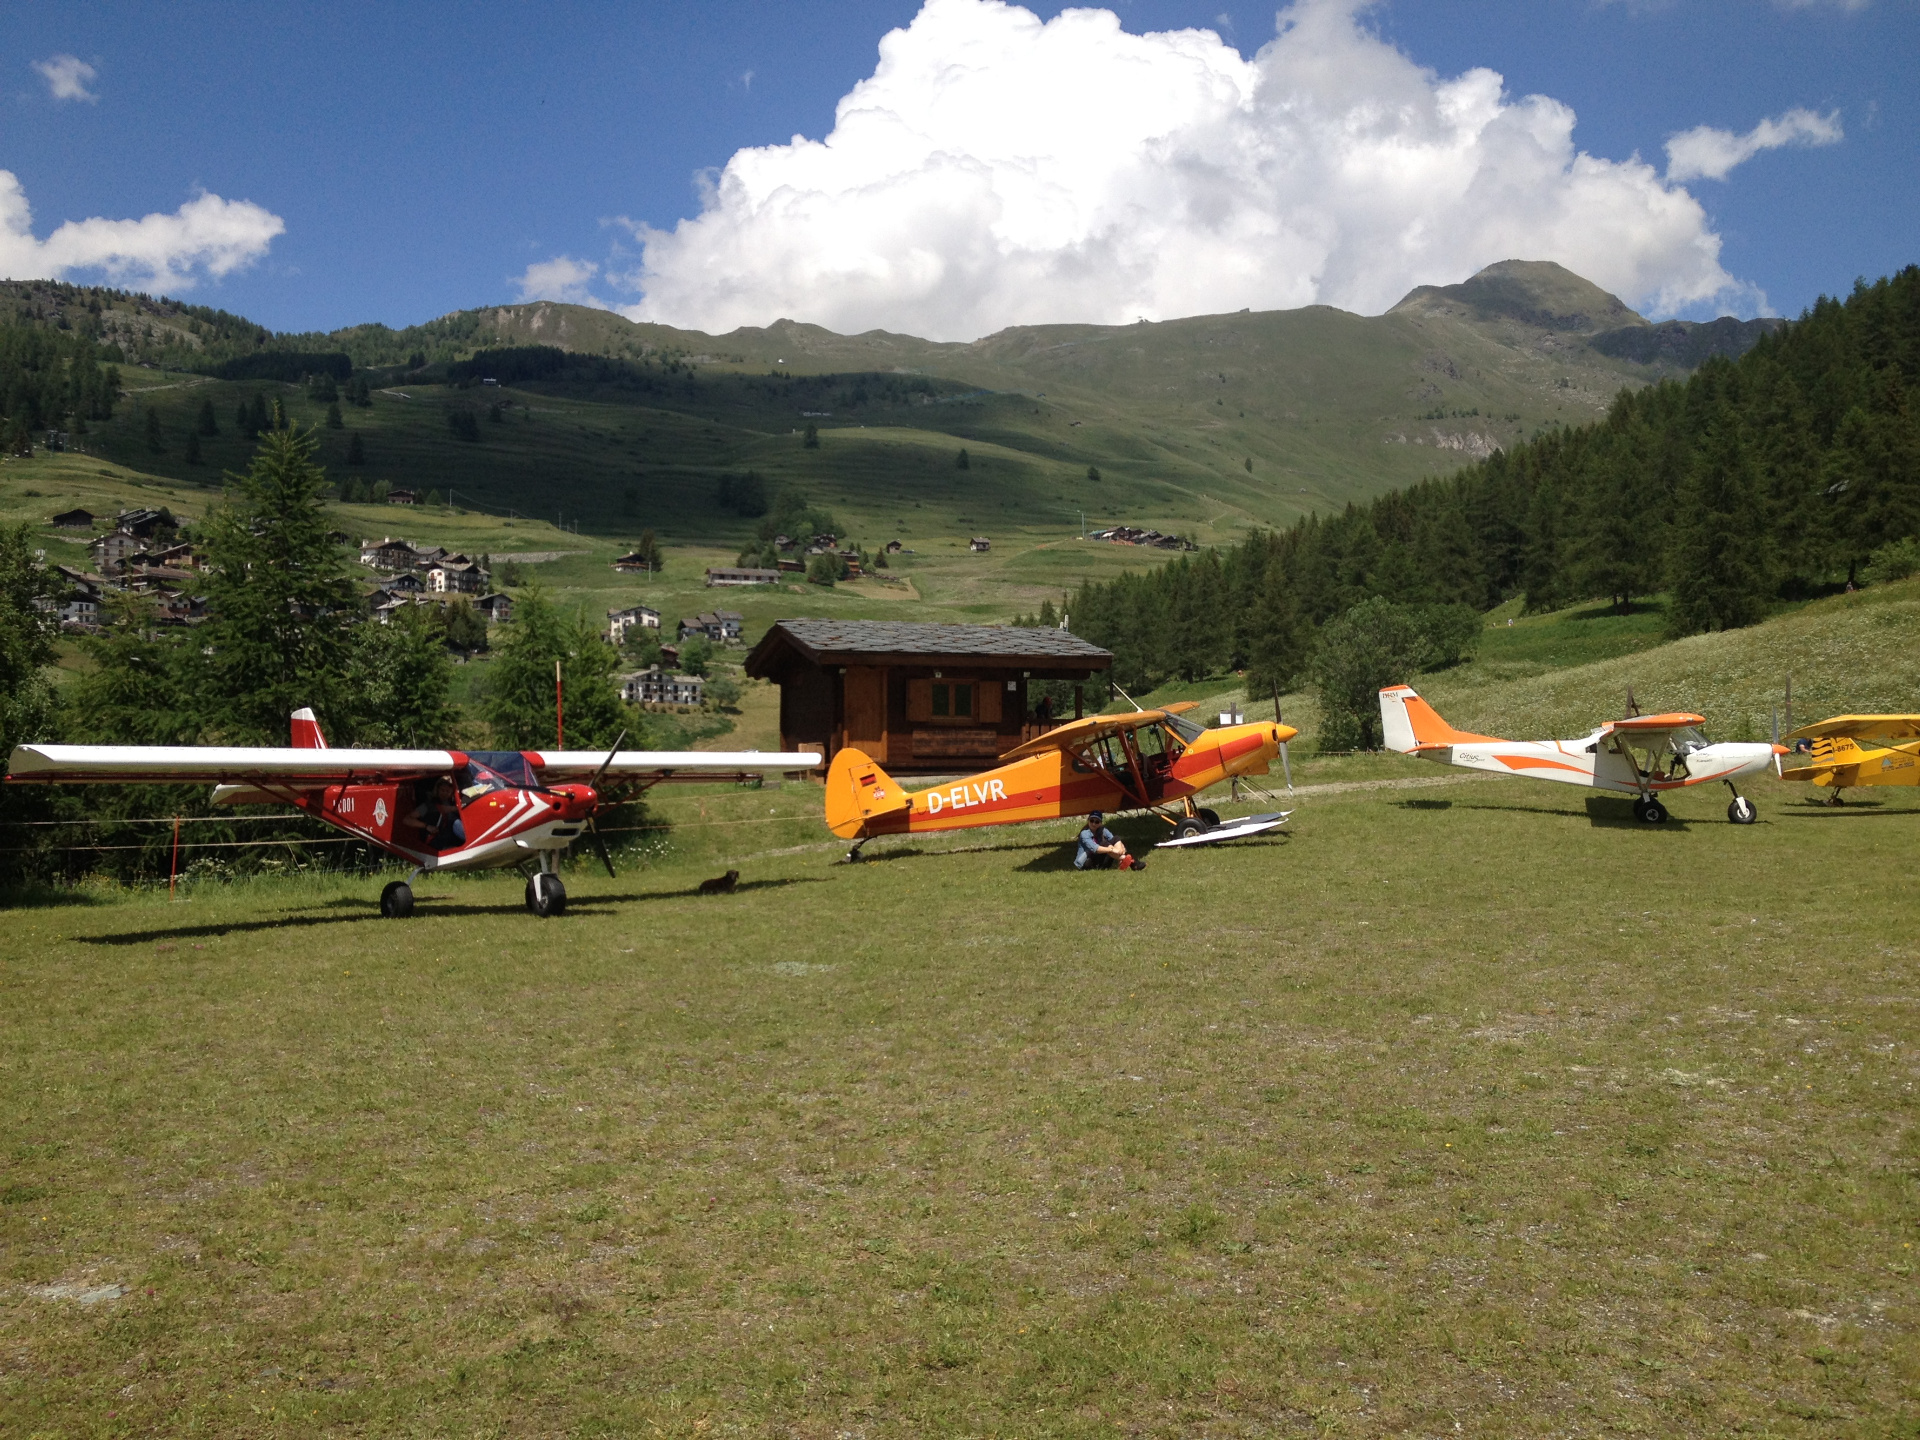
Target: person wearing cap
point(1100, 849)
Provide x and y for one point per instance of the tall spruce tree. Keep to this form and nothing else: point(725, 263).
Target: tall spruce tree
point(402, 679)
point(208, 424)
point(518, 701)
point(1719, 562)
point(281, 606)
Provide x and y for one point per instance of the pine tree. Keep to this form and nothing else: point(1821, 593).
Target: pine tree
point(518, 701)
point(154, 443)
point(280, 414)
point(403, 680)
point(1373, 645)
point(961, 462)
point(281, 607)
point(356, 452)
point(335, 421)
point(208, 425)
point(193, 447)
point(243, 421)
point(1719, 561)
point(810, 438)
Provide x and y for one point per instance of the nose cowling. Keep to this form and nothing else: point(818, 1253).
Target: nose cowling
point(577, 802)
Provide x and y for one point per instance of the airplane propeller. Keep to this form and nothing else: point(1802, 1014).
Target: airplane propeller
point(1285, 764)
point(1776, 745)
point(593, 830)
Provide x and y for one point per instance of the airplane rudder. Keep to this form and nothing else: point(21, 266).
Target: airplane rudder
point(853, 778)
point(306, 730)
point(1396, 725)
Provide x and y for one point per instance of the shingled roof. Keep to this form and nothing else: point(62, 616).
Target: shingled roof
point(907, 642)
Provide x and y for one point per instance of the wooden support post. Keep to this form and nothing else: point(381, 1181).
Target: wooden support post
point(173, 870)
point(1076, 702)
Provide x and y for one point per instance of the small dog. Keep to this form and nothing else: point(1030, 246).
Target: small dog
point(720, 884)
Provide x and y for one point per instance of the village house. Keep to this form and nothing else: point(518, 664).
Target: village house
point(722, 627)
point(179, 557)
point(619, 622)
point(497, 608)
point(633, 563)
point(144, 523)
point(406, 581)
point(403, 497)
point(450, 579)
point(791, 567)
point(894, 547)
point(920, 698)
point(655, 686)
point(387, 554)
point(739, 575)
point(432, 556)
point(979, 544)
point(112, 550)
point(73, 520)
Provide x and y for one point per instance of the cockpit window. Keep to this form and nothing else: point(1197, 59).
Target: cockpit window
point(490, 770)
point(1188, 729)
point(1686, 741)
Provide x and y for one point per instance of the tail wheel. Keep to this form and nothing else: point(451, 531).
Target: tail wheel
point(396, 901)
point(1212, 817)
point(546, 896)
point(1742, 811)
point(1189, 827)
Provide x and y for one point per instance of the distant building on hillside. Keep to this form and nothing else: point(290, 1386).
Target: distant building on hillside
point(979, 544)
point(619, 622)
point(497, 608)
point(403, 497)
point(722, 627)
point(634, 563)
point(74, 520)
point(388, 554)
point(655, 686)
point(739, 575)
point(449, 579)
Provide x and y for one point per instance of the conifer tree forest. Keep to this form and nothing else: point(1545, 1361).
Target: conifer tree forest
point(1755, 481)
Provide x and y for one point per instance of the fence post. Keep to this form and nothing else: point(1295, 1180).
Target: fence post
point(173, 870)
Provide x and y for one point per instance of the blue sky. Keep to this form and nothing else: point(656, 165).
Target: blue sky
point(421, 159)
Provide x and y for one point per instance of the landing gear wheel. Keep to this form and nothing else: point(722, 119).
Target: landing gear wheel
point(1650, 812)
point(1212, 817)
point(1640, 811)
point(396, 901)
point(546, 896)
point(1742, 811)
point(1192, 825)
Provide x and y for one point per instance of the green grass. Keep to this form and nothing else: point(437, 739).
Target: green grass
point(1421, 1117)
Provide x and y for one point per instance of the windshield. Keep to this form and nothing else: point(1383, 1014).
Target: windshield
point(490, 770)
point(1187, 728)
point(1686, 741)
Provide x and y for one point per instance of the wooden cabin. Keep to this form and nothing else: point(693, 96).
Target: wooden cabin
point(919, 698)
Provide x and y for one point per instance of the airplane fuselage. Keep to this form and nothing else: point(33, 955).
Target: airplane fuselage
point(1596, 761)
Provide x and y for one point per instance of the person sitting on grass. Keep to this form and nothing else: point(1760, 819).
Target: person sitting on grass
point(1099, 849)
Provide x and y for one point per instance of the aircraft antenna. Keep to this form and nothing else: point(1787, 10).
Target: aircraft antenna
point(1633, 706)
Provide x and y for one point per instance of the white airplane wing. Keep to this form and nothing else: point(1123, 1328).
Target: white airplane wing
point(217, 765)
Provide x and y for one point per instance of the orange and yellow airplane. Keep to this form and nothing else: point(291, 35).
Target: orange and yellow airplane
point(1143, 761)
point(1836, 756)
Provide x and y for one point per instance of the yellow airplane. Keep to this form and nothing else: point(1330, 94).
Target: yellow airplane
point(1850, 750)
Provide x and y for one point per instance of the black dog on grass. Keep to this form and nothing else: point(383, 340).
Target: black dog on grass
point(720, 884)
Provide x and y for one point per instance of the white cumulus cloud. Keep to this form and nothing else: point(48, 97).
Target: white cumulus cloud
point(1704, 153)
point(155, 252)
point(67, 76)
point(562, 278)
point(996, 170)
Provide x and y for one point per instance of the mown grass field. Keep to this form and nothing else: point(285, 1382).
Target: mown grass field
point(1467, 1105)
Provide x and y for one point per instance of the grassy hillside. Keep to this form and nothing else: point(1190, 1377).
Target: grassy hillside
point(1559, 675)
point(1206, 425)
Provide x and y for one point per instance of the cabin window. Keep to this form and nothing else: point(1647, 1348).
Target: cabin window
point(954, 702)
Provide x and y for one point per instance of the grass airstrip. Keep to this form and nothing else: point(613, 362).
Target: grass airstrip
point(1468, 1107)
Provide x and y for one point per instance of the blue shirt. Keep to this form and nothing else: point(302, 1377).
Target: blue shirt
point(1090, 842)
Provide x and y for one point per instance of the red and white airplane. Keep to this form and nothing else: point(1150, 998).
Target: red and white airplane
point(1642, 756)
point(435, 809)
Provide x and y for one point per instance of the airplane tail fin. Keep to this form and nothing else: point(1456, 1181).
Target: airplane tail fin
point(306, 730)
point(857, 791)
point(1409, 724)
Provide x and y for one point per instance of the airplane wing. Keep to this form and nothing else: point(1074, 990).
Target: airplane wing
point(1651, 725)
point(302, 769)
point(1894, 729)
point(285, 769)
point(1075, 733)
point(563, 765)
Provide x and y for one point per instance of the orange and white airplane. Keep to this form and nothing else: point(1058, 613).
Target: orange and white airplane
point(1643, 756)
point(1147, 760)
